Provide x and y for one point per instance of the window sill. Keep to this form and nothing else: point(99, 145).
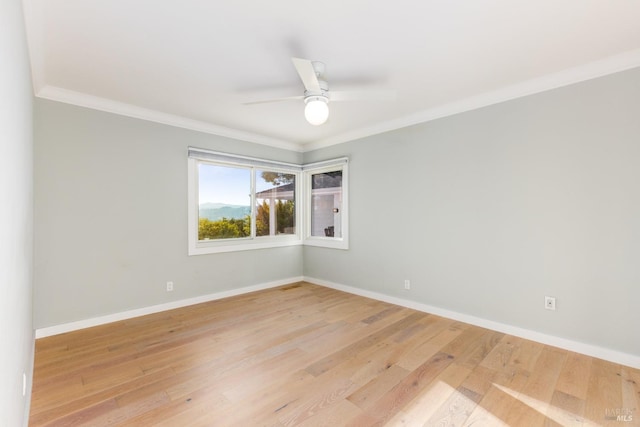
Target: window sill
point(215, 247)
point(327, 242)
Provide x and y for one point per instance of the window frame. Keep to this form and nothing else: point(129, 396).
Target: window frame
point(334, 165)
point(303, 193)
point(197, 157)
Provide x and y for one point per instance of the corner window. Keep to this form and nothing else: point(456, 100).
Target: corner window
point(240, 203)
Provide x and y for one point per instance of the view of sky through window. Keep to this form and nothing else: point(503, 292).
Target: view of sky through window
point(223, 184)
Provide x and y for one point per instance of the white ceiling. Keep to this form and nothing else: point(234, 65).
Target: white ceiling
point(192, 63)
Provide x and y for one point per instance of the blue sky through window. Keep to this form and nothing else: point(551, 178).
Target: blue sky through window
point(228, 185)
point(223, 184)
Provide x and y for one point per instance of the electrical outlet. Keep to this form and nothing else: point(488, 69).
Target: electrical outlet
point(407, 284)
point(169, 286)
point(550, 303)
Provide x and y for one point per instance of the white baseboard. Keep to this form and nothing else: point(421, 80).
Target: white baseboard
point(566, 344)
point(95, 321)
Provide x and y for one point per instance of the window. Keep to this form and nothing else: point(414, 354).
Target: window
point(275, 203)
point(240, 203)
point(327, 213)
point(224, 211)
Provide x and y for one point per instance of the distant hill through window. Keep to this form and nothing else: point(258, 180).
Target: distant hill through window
point(217, 211)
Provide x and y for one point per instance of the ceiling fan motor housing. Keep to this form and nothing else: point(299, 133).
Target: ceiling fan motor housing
point(320, 69)
point(311, 98)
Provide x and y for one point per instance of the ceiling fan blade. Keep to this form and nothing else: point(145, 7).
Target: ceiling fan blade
point(363, 95)
point(307, 74)
point(265, 101)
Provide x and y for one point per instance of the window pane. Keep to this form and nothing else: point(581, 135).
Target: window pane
point(224, 202)
point(275, 203)
point(326, 204)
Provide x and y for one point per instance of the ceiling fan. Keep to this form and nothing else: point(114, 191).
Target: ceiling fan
point(317, 95)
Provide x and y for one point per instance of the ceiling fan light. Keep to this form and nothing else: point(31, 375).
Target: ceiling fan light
point(316, 110)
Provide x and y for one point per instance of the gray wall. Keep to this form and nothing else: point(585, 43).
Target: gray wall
point(16, 216)
point(111, 217)
point(488, 211)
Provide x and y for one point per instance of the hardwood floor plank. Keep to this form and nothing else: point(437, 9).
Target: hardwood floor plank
point(319, 403)
point(525, 354)
point(456, 409)
point(405, 391)
point(574, 377)
point(89, 416)
point(426, 404)
point(631, 392)
point(370, 340)
point(334, 415)
point(67, 404)
point(348, 334)
point(567, 409)
point(428, 348)
point(537, 392)
point(369, 393)
point(245, 381)
point(384, 312)
point(307, 355)
point(477, 351)
point(604, 393)
point(500, 399)
point(506, 356)
point(200, 408)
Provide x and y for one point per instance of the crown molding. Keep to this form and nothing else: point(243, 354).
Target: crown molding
point(110, 106)
point(613, 64)
point(610, 65)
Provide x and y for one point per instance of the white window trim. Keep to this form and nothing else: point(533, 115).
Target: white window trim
point(341, 242)
point(303, 202)
point(197, 247)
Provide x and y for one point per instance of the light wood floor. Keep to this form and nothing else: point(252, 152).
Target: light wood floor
point(307, 355)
